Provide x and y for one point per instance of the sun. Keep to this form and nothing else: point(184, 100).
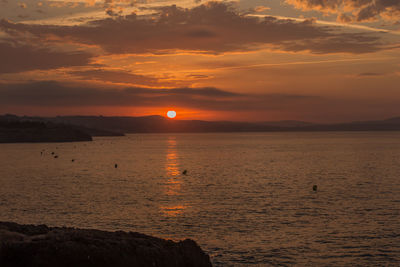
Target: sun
point(171, 114)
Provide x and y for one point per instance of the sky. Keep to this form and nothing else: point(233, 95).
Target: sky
point(248, 60)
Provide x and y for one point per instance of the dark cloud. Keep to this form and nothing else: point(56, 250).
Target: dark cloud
point(370, 74)
point(54, 94)
point(210, 28)
point(344, 18)
point(16, 57)
point(346, 42)
point(388, 9)
point(23, 16)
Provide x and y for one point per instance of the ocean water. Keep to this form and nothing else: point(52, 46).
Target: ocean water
point(247, 198)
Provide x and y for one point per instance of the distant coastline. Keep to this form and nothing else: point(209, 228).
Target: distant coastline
point(83, 128)
point(102, 125)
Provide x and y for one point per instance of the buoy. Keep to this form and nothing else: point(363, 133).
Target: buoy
point(184, 172)
point(116, 165)
point(315, 187)
point(56, 157)
point(72, 160)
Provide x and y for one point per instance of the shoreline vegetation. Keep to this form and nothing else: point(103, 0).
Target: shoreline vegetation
point(38, 132)
point(15, 129)
point(40, 245)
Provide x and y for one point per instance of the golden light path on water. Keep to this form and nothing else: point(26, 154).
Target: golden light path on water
point(174, 181)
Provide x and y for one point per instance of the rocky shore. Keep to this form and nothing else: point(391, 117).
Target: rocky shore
point(30, 245)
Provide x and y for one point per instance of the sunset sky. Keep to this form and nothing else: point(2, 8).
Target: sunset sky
point(249, 60)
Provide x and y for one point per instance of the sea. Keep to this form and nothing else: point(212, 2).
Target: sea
point(248, 199)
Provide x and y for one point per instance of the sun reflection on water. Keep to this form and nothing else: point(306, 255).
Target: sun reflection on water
point(172, 159)
point(173, 183)
point(173, 210)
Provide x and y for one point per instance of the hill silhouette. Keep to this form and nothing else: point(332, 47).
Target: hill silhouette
point(159, 124)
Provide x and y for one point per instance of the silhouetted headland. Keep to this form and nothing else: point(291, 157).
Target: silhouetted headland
point(35, 132)
point(30, 245)
point(14, 129)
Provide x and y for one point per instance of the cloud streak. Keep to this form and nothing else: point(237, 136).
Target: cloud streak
point(119, 76)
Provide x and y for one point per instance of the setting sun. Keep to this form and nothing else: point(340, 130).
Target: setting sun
point(171, 114)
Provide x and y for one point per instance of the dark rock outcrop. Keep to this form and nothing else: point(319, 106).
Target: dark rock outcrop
point(30, 245)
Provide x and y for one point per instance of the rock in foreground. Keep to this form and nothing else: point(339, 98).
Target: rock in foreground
point(29, 245)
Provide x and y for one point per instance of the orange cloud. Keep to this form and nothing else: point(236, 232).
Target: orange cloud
point(261, 8)
point(22, 5)
point(361, 10)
